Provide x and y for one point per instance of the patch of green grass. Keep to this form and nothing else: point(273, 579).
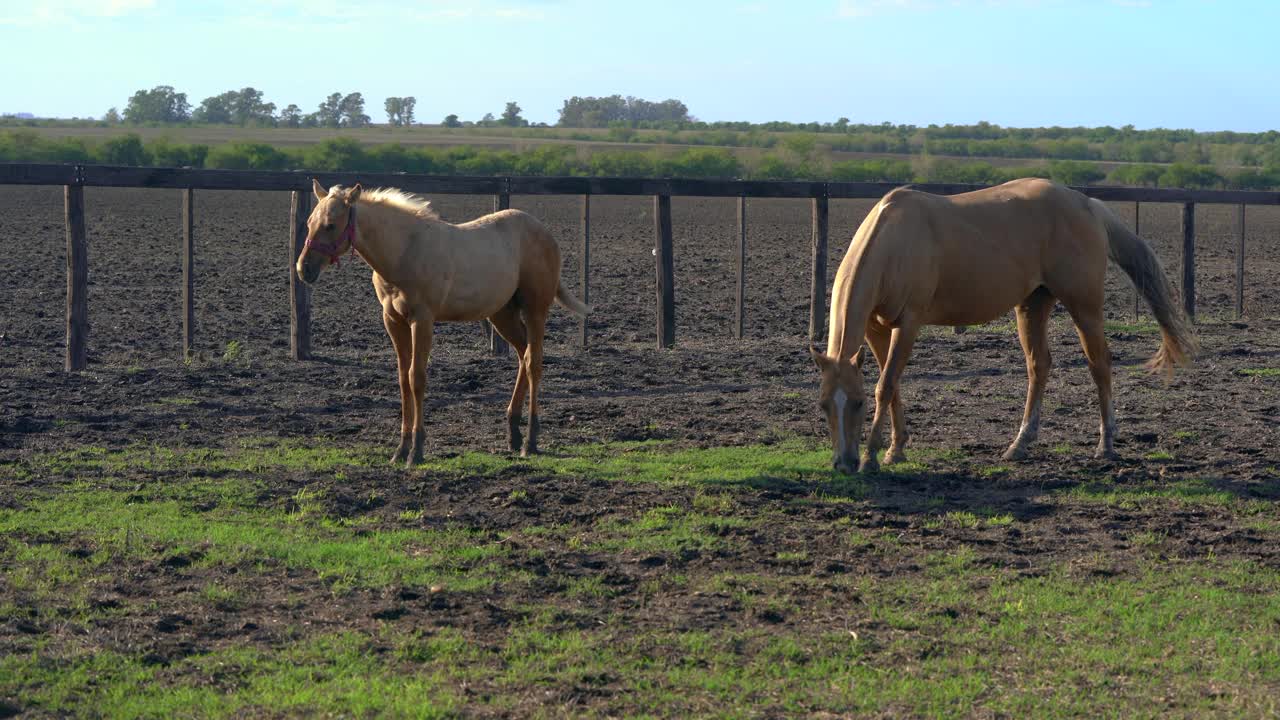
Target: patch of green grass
point(302, 537)
point(1138, 328)
point(667, 529)
point(792, 556)
point(1061, 449)
point(251, 456)
point(1185, 435)
point(1261, 372)
point(1195, 637)
point(1196, 491)
point(234, 350)
point(339, 674)
point(1158, 455)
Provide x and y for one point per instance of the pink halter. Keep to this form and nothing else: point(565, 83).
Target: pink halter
point(334, 252)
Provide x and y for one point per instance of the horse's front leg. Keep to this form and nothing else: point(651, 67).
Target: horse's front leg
point(402, 342)
point(420, 328)
point(900, 345)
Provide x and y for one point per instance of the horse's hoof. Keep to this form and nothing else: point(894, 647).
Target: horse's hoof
point(531, 444)
point(1015, 452)
point(1102, 454)
point(869, 465)
point(514, 437)
point(894, 457)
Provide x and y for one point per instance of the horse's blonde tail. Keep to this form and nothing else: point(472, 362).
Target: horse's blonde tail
point(566, 298)
point(1140, 263)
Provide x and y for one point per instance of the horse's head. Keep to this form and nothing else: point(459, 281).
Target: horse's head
point(841, 399)
point(330, 229)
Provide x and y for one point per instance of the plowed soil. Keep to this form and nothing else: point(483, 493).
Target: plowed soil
point(1217, 421)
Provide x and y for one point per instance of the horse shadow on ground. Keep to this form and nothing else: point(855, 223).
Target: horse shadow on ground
point(1025, 492)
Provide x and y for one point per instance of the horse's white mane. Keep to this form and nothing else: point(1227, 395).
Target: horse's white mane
point(397, 198)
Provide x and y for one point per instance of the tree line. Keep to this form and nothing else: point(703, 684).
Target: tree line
point(635, 120)
point(790, 163)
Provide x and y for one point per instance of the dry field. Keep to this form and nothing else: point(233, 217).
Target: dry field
point(223, 537)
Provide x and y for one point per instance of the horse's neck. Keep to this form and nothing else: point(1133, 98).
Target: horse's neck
point(851, 306)
point(382, 234)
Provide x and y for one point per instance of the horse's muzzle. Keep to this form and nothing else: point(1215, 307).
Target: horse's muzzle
point(844, 465)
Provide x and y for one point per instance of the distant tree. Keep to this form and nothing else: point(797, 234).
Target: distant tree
point(511, 116)
point(160, 104)
point(112, 116)
point(605, 111)
point(215, 110)
point(329, 114)
point(394, 107)
point(291, 116)
point(451, 121)
point(351, 111)
point(487, 120)
point(406, 109)
point(842, 124)
point(248, 108)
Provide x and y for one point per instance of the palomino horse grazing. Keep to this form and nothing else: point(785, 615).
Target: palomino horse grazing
point(504, 267)
point(921, 259)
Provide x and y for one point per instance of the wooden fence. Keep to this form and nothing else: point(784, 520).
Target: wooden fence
point(76, 177)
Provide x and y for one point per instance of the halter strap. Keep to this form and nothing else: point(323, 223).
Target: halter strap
point(334, 252)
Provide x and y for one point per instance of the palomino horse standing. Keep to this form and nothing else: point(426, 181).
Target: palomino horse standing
point(921, 259)
point(504, 267)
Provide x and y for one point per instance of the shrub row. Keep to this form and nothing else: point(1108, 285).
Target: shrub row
point(795, 161)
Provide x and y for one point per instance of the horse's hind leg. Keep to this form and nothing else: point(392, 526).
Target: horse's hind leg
point(421, 329)
point(1089, 326)
point(402, 341)
point(1033, 332)
point(878, 337)
point(509, 325)
point(536, 324)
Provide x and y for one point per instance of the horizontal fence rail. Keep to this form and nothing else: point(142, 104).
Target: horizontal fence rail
point(200, 179)
point(76, 177)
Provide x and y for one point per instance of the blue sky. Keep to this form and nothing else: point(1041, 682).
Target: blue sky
point(1202, 64)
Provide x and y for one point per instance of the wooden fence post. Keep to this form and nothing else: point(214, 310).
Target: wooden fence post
point(299, 293)
point(77, 280)
point(818, 286)
point(740, 293)
point(665, 266)
point(584, 266)
point(188, 273)
point(497, 345)
point(1137, 228)
point(1189, 258)
point(1240, 268)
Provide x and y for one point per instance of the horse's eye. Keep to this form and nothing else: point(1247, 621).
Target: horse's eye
point(329, 226)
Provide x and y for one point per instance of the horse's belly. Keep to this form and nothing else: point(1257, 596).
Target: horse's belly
point(479, 301)
point(976, 304)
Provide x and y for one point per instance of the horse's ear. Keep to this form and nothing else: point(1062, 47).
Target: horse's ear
point(354, 193)
point(318, 189)
point(822, 361)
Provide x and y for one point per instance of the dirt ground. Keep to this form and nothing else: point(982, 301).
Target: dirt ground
point(961, 391)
